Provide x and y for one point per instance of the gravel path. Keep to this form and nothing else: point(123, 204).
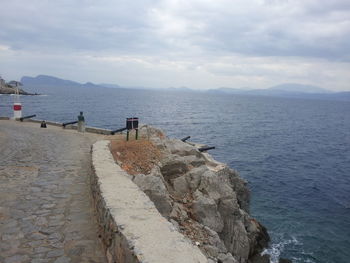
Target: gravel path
point(45, 203)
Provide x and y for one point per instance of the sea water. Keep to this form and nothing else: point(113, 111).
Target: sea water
point(294, 153)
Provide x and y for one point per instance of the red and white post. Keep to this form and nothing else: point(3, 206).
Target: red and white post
point(17, 110)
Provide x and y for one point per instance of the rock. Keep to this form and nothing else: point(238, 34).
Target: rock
point(10, 90)
point(226, 258)
point(178, 213)
point(215, 240)
point(154, 187)
point(215, 187)
point(238, 185)
point(180, 148)
point(206, 200)
point(260, 259)
point(175, 224)
point(181, 187)
point(193, 161)
point(284, 260)
point(194, 176)
point(173, 167)
point(257, 235)
point(205, 212)
point(211, 251)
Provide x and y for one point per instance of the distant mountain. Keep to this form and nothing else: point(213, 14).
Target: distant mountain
point(179, 89)
point(54, 82)
point(282, 89)
point(44, 80)
point(288, 90)
point(298, 88)
point(115, 86)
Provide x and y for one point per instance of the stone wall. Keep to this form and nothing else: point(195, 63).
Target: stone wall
point(131, 227)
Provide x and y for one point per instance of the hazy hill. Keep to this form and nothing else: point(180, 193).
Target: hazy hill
point(43, 80)
point(50, 81)
point(287, 88)
point(115, 86)
point(290, 90)
point(298, 88)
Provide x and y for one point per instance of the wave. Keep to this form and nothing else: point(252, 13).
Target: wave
point(276, 249)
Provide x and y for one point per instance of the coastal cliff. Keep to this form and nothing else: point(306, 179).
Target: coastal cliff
point(205, 200)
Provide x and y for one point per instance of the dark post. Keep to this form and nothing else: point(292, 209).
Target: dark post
point(137, 134)
point(43, 124)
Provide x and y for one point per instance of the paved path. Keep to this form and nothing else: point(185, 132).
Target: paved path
point(45, 204)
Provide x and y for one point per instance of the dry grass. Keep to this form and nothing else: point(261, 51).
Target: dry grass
point(135, 157)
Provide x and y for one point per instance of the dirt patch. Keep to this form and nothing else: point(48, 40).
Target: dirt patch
point(135, 157)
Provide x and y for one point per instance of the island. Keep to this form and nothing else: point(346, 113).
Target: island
point(12, 87)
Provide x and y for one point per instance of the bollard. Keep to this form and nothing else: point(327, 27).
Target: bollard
point(17, 110)
point(43, 124)
point(81, 122)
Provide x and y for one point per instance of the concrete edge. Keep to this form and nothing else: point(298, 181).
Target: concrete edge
point(73, 127)
point(131, 228)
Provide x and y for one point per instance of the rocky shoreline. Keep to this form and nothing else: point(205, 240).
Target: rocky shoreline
point(10, 90)
point(204, 199)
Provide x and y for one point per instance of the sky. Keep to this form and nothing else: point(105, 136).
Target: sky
point(200, 44)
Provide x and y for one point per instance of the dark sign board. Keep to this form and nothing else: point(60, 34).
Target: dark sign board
point(132, 123)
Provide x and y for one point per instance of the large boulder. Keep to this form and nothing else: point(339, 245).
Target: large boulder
point(205, 211)
point(178, 147)
point(216, 187)
point(156, 190)
point(172, 167)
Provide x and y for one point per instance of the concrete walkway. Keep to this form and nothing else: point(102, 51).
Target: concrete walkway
point(45, 204)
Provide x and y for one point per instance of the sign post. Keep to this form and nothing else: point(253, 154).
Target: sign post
point(132, 124)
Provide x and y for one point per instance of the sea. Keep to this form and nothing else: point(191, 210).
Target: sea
point(294, 153)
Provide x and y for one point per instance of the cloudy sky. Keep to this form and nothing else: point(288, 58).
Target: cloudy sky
point(195, 43)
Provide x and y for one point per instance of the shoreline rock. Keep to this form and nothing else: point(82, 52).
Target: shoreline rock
point(205, 200)
point(10, 90)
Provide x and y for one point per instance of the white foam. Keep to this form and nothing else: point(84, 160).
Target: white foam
point(277, 248)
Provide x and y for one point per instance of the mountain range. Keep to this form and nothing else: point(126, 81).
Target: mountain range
point(294, 90)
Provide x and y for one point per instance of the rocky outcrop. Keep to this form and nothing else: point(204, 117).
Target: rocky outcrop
point(4, 89)
point(205, 200)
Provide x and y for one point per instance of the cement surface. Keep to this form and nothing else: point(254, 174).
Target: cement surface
point(45, 203)
point(151, 236)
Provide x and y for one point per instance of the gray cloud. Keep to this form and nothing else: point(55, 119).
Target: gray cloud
point(183, 37)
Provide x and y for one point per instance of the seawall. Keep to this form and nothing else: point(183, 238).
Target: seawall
point(131, 227)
